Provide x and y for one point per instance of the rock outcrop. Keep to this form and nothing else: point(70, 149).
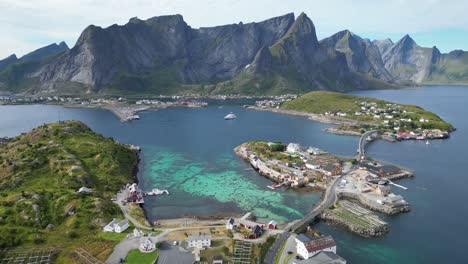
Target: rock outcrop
point(362, 55)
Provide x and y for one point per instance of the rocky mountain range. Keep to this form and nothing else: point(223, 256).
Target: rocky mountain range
point(164, 55)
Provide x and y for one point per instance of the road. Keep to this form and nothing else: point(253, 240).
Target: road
point(328, 199)
point(362, 144)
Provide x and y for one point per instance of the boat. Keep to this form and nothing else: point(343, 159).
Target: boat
point(134, 117)
point(230, 116)
point(157, 192)
point(427, 142)
point(271, 187)
point(420, 138)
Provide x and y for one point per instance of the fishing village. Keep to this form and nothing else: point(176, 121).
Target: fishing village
point(361, 183)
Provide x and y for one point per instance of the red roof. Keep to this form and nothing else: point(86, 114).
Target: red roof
point(320, 244)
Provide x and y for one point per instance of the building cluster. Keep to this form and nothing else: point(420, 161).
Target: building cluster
point(371, 181)
point(134, 194)
point(402, 123)
point(310, 166)
point(178, 102)
point(275, 102)
point(256, 229)
point(316, 250)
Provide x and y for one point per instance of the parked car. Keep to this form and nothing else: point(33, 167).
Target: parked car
point(290, 252)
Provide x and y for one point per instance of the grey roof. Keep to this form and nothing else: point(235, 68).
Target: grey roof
point(123, 223)
point(200, 236)
point(322, 258)
point(303, 238)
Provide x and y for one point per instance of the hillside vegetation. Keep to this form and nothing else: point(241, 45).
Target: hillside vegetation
point(346, 106)
point(40, 173)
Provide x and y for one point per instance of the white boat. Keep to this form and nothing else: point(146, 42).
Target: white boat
point(230, 116)
point(157, 192)
point(427, 142)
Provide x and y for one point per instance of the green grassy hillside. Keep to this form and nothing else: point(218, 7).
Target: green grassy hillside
point(322, 102)
point(40, 174)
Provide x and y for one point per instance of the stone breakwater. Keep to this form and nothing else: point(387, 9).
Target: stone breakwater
point(356, 219)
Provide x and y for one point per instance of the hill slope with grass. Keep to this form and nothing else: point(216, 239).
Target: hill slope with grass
point(40, 174)
point(351, 107)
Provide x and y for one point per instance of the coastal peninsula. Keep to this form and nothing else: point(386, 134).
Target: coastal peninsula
point(355, 114)
point(358, 183)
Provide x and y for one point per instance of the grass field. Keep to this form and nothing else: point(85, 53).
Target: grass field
point(136, 257)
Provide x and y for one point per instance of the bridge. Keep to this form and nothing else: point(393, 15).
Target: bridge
point(329, 198)
point(363, 142)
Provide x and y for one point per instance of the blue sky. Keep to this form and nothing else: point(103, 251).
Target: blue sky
point(29, 24)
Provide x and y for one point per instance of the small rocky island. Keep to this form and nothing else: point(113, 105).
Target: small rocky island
point(357, 184)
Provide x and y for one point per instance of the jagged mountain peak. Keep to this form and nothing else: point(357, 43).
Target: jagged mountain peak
point(407, 42)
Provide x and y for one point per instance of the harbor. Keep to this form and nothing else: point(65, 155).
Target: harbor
point(357, 183)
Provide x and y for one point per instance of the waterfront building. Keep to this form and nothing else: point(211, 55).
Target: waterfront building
point(230, 224)
point(272, 224)
point(294, 148)
point(200, 241)
point(308, 247)
point(257, 232)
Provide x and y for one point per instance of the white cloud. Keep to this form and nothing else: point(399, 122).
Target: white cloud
point(30, 24)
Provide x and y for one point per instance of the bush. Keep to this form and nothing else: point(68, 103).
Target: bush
point(277, 147)
point(73, 235)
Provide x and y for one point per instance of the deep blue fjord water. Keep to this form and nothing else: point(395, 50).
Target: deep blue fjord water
point(189, 152)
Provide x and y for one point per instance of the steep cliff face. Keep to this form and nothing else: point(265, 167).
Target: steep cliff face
point(362, 56)
point(408, 62)
point(143, 53)
point(451, 68)
point(298, 63)
point(383, 44)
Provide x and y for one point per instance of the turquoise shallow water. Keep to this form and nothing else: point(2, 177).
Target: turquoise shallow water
point(221, 181)
point(189, 152)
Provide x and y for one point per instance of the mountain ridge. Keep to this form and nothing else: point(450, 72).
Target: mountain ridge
point(165, 55)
